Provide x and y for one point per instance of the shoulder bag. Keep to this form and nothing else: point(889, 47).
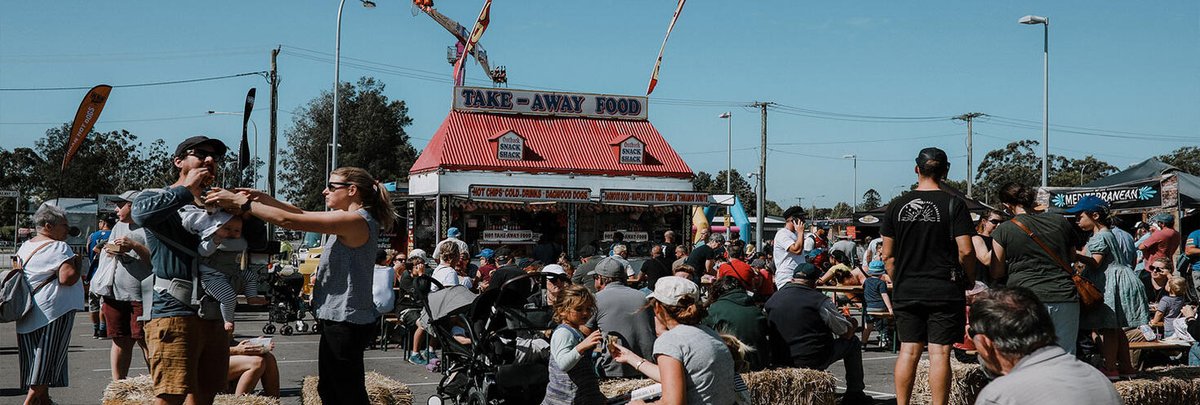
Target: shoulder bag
point(16, 296)
point(1089, 295)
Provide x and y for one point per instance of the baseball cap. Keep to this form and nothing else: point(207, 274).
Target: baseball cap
point(218, 146)
point(758, 263)
point(526, 262)
point(418, 253)
point(933, 154)
point(609, 267)
point(453, 232)
point(875, 268)
point(487, 253)
point(806, 271)
point(554, 269)
point(1089, 203)
point(1163, 217)
point(587, 251)
point(128, 196)
point(670, 290)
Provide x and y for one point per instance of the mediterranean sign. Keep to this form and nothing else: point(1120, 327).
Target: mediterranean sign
point(514, 235)
point(653, 197)
point(529, 194)
point(1139, 194)
point(510, 146)
point(508, 101)
point(632, 151)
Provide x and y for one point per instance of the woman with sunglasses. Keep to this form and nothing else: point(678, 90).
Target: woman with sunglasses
point(359, 209)
point(983, 243)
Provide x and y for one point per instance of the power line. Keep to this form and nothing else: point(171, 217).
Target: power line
point(203, 79)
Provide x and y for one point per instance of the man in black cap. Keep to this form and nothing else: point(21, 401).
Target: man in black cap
point(189, 355)
point(588, 258)
point(928, 253)
point(808, 331)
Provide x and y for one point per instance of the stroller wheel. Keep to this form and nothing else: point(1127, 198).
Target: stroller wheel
point(269, 329)
point(301, 327)
point(316, 327)
point(286, 330)
point(434, 400)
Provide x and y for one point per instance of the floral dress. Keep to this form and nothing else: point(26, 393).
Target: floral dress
point(1124, 296)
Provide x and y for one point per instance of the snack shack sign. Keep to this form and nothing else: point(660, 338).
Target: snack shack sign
point(508, 101)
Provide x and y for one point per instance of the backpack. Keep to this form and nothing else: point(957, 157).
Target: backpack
point(16, 296)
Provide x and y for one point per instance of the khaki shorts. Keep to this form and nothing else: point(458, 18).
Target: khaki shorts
point(187, 355)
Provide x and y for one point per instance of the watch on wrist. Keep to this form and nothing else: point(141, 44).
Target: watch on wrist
point(246, 206)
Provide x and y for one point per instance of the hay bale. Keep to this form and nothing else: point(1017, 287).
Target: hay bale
point(140, 391)
point(381, 390)
point(1162, 386)
point(775, 386)
point(966, 381)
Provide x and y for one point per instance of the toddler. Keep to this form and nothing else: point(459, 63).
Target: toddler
point(573, 377)
point(221, 248)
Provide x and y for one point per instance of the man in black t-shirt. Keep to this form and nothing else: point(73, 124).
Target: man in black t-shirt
point(703, 257)
point(929, 257)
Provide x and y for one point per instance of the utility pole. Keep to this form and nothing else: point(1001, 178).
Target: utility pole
point(274, 79)
point(969, 117)
point(760, 205)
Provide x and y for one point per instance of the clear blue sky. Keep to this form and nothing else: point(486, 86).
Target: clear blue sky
point(1132, 67)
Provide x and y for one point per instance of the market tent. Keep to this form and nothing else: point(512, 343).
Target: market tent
point(1189, 185)
point(873, 217)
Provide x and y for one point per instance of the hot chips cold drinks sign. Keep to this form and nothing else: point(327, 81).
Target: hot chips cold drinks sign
point(529, 194)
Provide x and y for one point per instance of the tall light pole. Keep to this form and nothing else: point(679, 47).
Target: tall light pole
point(337, 64)
point(855, 158)
point(1045, 22)
point(728, 117)
point(255, 126)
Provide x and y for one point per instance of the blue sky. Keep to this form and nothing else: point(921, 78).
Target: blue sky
point(1127, 70)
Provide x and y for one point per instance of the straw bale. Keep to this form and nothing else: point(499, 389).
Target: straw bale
point(140, 391)
point(965, 383)
point(775, 386)
point(381, 390)
point(1162, 386)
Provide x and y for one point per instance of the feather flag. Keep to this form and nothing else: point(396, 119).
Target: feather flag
point(244, 148)
point(658, 62)
point(477, 32)
point(85, 118)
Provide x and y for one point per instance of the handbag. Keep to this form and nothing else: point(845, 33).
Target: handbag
point(102, 279)
point(1089, 295)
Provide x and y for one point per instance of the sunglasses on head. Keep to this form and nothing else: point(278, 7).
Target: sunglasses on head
point(205, 154)
point(334, 185)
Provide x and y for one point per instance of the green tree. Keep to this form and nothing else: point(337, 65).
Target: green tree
point(370, 135)
point(1019, 162)
point(743, 189)
point(1077, 172)
point(106, 163)
point(1186, 159)
point(870, 200)
point(841, 210)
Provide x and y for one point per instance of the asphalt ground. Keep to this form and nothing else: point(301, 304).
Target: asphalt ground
point(297, 357)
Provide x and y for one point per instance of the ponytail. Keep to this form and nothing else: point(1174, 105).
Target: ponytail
point(375, 198)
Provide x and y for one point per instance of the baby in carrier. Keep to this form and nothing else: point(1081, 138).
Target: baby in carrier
point(221, 248)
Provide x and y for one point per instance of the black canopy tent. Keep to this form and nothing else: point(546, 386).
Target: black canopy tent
point(872, 218)
point(1147, 187)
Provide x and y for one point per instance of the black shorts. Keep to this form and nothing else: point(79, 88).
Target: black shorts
point(936, 322)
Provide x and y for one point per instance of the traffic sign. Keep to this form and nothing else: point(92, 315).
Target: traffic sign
point(9, 194)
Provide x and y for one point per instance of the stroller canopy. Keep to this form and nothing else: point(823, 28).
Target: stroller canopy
point(449, 300)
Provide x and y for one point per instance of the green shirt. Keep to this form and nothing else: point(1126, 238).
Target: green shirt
point(1029, 265)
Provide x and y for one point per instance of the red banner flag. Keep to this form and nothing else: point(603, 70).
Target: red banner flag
point(658, 62)
point(85, 118)
point(481, 25)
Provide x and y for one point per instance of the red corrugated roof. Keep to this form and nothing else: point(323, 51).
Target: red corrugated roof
point(466, 141)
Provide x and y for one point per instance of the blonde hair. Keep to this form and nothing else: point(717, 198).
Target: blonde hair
point(375, 198)
point(572, 297)
point(1177, 286)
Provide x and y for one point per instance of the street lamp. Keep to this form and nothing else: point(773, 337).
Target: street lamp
point(728, 117)
point(1045, 22)
point(255, 125)
point(337, 63)
point(855, 158)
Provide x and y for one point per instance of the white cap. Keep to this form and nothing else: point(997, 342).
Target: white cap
point(670, 289)
point(554, 269)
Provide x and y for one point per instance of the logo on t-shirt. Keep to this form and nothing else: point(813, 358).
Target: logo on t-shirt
point(919, 210)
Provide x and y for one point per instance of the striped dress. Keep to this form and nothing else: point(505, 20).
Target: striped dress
point(577, 385)
point(44, 334)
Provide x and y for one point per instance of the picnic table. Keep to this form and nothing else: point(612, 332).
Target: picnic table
point(857, 291)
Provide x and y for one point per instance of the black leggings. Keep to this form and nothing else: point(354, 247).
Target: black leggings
point(340, 362)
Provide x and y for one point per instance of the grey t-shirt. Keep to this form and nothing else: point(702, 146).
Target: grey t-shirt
point(622, 310)
point(710, 375)
point(1050, 376)
point(345, 277)
point(133, 274)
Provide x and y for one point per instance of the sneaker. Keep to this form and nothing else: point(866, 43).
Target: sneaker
point(417, 359)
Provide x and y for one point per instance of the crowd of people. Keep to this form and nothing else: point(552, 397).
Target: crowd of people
point(691, 317)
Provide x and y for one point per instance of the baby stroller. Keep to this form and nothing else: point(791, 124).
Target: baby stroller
point(286, 306)
point(487, 370)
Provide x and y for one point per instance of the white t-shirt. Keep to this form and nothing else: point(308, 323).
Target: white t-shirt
point(381, 288)
point(785, 261)
point(132, 275)
point(55, 299)
point(446, 275)
point(872, 252)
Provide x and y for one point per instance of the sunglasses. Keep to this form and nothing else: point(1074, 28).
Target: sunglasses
point(205, 154)
point(334, 185)
point(996, 221)
point(1159, 268)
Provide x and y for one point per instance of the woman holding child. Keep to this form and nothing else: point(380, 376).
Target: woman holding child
point(359, 208)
